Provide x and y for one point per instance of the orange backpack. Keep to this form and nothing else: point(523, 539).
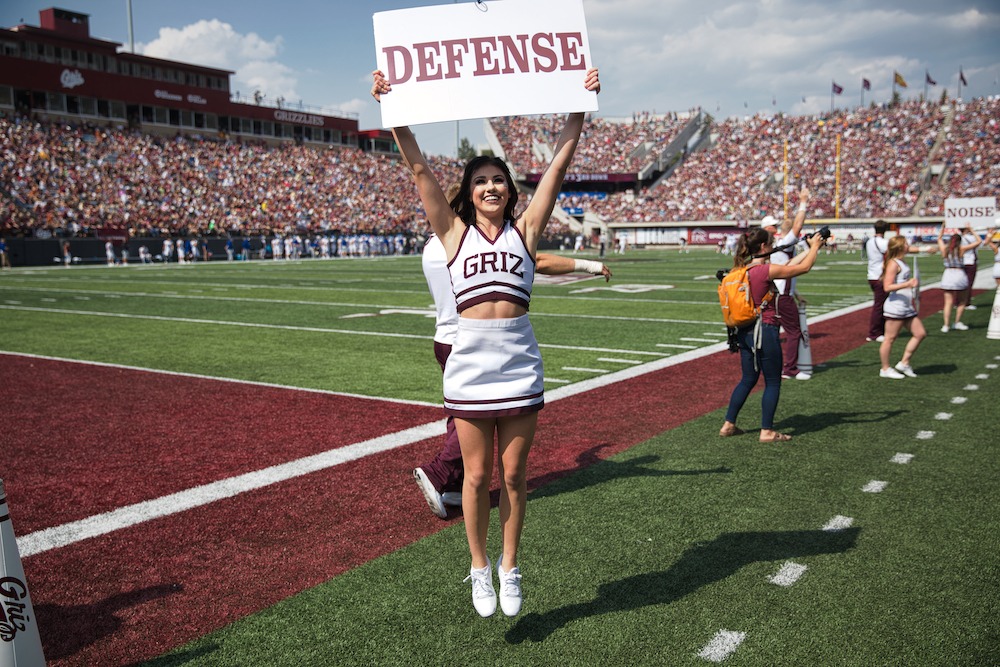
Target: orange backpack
point(738, 308)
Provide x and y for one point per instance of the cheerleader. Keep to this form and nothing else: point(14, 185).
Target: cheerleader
point(898, 310)
point(954, 281)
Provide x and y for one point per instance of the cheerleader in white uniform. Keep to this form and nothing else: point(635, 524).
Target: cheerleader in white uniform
point(493, 378)
point(954, 281)
point(898, 310)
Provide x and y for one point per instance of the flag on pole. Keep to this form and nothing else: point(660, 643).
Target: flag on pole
point(898, 78)
point(866, 84)
point(930, 81)
point(837, 90)
point(961, 77)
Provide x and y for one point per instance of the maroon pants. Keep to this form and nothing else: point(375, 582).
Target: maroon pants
point(970, 273)
point(446, 470)
point(876, 322)
point(788, 316)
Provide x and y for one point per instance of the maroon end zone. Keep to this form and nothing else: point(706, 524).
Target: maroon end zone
point(92, 438)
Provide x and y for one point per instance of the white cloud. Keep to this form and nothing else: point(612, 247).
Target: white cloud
point(214, 43)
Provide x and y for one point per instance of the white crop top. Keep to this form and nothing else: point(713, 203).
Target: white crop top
point(498, 270)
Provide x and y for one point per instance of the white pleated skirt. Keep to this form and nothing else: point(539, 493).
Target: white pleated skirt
point(494, 369)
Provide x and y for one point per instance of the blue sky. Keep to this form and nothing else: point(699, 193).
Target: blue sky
point(730, 58)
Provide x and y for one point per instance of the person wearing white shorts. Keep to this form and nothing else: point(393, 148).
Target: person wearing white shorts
point(491, 252)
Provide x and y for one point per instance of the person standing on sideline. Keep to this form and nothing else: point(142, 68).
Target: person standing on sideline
point(874, 250)
point(994, 243)
point(440, 479)
point(787, 301)
point(899, 310)
point(4, 260)
point(493, 384)
point(67, 254)
point(954, 280)
point(760, 350)
point(970, 262)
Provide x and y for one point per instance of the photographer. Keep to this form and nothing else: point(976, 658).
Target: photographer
point(760, 351)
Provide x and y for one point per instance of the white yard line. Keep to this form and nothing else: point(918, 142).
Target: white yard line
point(723, 644)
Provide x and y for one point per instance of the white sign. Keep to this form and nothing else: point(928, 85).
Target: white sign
point(483, 59)
point(980, 212)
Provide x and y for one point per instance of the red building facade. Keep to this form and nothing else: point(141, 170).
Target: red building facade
point(58, 71)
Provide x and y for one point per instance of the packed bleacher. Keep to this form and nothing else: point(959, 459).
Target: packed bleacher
point(70, 180)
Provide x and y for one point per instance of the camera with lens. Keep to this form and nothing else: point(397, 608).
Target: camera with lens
point(824, 232)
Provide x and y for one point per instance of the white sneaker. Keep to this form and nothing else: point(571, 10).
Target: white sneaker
point(906, 370)
point(453, 498)
point(874, 340)
point(958, 326)
point(431, 494)
point(510, 590)
point(484, 598)
point(802, 375)
point(944, 329)
point(969, 307)
point(891, 373)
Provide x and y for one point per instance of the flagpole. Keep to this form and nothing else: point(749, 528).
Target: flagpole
point(959, 96)
point(837, 197)
point(832, 84)
point(927, 75)
point(785, 179)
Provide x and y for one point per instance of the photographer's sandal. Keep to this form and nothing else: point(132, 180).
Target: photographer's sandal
point(729, 432)
point(777, 437)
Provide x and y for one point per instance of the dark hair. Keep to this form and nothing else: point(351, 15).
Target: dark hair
point(750, 245)
point(462, 202)
point(881, 226)
point(954, 246)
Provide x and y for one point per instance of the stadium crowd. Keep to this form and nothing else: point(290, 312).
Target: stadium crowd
point(70, 180)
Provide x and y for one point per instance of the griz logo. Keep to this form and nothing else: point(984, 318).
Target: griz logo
point(13, 607)
point(487, 262)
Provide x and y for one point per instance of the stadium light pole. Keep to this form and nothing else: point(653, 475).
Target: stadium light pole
point(131, 35)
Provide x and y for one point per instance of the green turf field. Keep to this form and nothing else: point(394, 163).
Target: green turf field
point(641, 559)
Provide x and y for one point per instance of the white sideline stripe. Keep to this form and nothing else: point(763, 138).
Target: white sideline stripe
point(925, 435)
point(585, 370)
point(983, 376)
point(958, 400)
point(681, 347)
point(943, 416)
point(325, 392)
point(557, 381)
point(698, 340)
point(788, 574)
point(723, 644)
point(875, 486)
point(619, 361)
point(902, 458)
point(68, 533)
point(971, 387)
point(716, 334)
point(991, 367)
point(838, 523)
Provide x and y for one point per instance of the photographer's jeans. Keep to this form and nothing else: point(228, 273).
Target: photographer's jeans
point(768, 364)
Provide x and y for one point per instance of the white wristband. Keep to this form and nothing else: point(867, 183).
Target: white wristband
point(802, 208)
point(588, 266)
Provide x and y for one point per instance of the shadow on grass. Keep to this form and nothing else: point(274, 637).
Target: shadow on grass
point(591, 470)
point(801, 424)
point(698, 566)
point(190, 657)
point(67, 629)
